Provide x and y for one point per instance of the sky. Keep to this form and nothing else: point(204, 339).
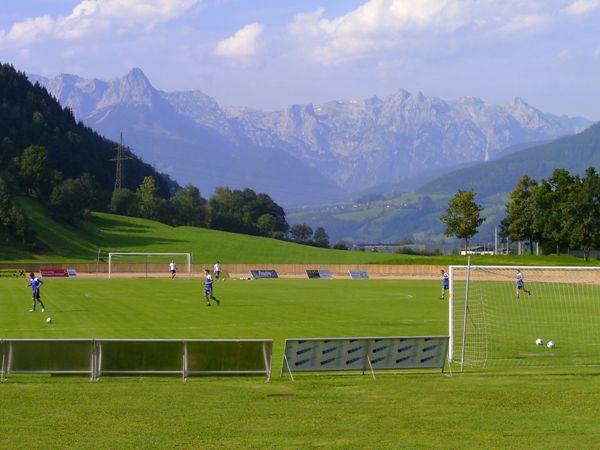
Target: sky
point(268, 54)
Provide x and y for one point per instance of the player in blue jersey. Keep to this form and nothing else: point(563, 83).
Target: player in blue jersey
point(445, 283)
point(521, 284)
point(208, 288)
point(35, 284)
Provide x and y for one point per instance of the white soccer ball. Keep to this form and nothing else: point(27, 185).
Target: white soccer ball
point(49, 320)
point(551, 344)
point(539, 341)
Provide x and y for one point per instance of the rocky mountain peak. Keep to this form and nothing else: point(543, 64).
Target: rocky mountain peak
point(134, 87)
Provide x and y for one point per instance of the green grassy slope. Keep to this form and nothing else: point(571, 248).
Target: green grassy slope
point(108, 232)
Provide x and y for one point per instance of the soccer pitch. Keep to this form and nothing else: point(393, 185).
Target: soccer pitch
point(533, 409)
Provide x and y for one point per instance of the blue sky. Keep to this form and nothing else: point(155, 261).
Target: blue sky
point(272, 53)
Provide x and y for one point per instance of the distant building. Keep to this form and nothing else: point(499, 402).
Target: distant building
point(388, 248)
point(477, 250)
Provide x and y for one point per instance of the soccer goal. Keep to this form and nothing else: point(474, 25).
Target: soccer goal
point(491, 326)
point(147, 264)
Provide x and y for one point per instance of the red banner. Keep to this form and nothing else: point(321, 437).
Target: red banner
point(54, 273)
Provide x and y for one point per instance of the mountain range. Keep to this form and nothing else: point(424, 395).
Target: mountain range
point(304, 154)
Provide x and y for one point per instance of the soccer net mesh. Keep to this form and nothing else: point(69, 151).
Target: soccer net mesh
point(499, 329)
point(147, 264)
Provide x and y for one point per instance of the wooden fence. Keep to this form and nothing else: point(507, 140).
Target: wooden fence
point(240, 270)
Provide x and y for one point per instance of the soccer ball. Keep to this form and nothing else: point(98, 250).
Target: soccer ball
point(539, 341)
point(49, 320)
point(551, 344)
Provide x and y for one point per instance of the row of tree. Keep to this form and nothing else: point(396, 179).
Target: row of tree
point(239, 211)
point(559, 213)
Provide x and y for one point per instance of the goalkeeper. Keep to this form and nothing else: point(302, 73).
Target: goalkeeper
point(521, 284)
point(445, 283)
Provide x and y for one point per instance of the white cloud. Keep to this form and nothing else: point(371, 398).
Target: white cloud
point(99, 16)
point(244, 44)
point(384, 24)
point(526, 22)
point(582, 7)
point(30, 29)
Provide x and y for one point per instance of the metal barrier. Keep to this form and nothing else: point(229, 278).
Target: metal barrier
point(364, 353)
point(96, 357)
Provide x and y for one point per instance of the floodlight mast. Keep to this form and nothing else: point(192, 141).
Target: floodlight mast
point(111, 254)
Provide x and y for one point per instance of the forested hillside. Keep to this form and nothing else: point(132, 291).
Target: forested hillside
point(30, 116)
point(573, 153)
point(46, 154)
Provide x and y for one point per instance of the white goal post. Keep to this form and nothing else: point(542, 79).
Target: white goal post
point(187, 256)
point(492, 323)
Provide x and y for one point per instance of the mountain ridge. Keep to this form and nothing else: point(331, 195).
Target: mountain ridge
point(321, 154)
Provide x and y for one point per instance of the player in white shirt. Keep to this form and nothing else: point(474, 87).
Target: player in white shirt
point(217, 270)
point(173, 269)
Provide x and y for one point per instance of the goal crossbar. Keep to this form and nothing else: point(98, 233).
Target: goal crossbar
point(111, 254)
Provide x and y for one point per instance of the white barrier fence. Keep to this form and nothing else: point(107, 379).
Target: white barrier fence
point(96, 357)
point(364, 353)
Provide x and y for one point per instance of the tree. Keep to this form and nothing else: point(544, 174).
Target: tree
point(341, 245)
point(13, 222)
point(189, 208)
point(123, 202)
point(550, 199)
point(301, 232)
point(462, 218)
point(73, 199)
point(148, 201)
point(321, 238)
point(582, 212)
point(36, 173)
point(266, 224)
point(226, 210)
point(240, 211)
point(520, 211)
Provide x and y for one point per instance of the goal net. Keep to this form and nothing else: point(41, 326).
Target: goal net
point(148, 264)
point(491, 326)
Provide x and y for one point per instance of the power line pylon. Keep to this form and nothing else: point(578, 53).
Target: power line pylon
point(121, 156)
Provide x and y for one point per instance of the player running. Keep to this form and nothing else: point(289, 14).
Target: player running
point(521, 284)
point(173, 269)
point(208, 286)
point(35, 284)
point(445, 283)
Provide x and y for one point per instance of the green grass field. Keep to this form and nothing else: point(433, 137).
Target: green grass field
point(480, 409)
